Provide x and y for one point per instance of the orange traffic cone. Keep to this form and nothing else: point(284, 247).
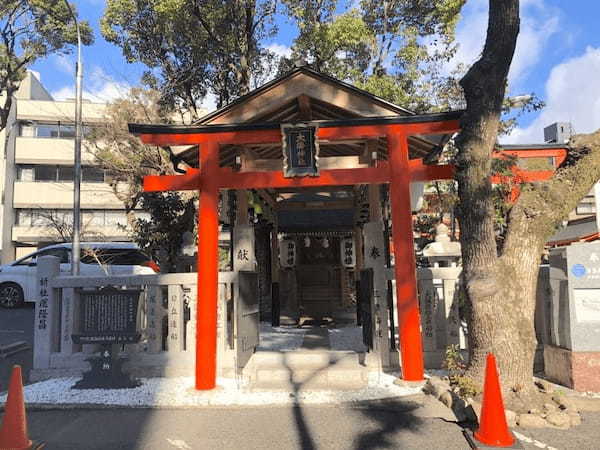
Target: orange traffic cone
point(13, 432)
point(493, 429)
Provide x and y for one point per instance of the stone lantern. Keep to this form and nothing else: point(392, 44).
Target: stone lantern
point(443, 252)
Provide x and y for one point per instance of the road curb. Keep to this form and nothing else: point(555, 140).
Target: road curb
point(12, 348)
point(358, 404)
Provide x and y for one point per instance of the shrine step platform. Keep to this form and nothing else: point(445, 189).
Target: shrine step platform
point(304, 370)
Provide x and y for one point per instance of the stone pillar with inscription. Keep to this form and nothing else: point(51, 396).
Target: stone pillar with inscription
point(374, 258)
point(46, 332)
point(243, 260)
point(175, 311)
point(69, 325)
point(154, 318)
point(243, 248)
point(572, 357)
point(189, 309)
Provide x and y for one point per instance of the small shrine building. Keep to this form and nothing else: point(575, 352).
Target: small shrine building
point(332, 175)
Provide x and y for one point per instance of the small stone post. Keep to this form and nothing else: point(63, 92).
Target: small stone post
point(46, 331)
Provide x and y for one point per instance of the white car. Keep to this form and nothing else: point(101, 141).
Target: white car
point(18, 279)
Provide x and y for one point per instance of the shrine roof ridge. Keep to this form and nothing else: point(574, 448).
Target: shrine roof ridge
point(306, 69)
point(137, 128)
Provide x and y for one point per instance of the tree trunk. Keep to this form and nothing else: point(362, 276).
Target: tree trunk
point(503, 323)
point(501, 288)
point(488, 284)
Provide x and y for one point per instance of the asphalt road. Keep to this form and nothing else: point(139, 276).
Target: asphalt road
point(329, 427)
point(584, 437)
point(16, 325)
point(308, 427)
point(392, 425)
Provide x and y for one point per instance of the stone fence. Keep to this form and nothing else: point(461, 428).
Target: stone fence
point(441, 326)
point(165, 319)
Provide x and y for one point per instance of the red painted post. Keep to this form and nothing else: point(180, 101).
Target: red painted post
point(409, 322)
point(208, 240)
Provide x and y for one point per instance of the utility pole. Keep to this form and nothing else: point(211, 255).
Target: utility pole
point(75, 256)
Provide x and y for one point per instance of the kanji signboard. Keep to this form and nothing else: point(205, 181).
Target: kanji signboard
point(300, 150)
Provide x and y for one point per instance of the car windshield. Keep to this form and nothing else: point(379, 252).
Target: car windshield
point(113, 256)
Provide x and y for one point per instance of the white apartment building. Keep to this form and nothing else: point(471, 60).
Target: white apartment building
point(36, 166)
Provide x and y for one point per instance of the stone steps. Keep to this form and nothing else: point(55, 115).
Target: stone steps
point(307, 370)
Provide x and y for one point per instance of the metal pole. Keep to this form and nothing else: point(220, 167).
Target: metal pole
point(77, 159)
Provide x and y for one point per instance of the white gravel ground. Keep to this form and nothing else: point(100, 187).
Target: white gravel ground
point(348, 338)
point(179, 392)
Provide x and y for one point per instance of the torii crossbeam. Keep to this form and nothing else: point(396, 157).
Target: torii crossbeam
point(398, 171)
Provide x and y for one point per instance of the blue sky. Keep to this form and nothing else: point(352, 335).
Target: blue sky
point(557, 57)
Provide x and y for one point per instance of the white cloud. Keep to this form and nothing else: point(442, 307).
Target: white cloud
point(539, 22)
point(64, 63)
point(97, 87)
point(280, 49)
point(572, 95)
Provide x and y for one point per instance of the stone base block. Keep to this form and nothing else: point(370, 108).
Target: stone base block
point(576, 370)
point(433, 360)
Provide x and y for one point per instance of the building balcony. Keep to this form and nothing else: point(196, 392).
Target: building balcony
point(59, 110)
point(34, 150)
point(59, 195)
point(29, 234)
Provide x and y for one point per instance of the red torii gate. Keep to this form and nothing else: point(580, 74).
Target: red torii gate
point(398, 171)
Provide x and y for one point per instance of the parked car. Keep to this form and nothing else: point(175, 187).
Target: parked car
point(18, 279)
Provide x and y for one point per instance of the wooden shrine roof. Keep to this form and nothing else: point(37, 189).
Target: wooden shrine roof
point(298, 96)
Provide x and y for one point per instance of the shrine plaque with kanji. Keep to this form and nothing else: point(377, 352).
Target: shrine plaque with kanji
point(108, 316)
point(300, 150)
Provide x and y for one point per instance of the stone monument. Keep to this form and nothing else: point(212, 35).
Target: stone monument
point(572, 355)
point(108, 317)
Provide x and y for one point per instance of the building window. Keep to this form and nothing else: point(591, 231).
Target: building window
point(25, 173)
point(65, 173)
point(115, 218)
point(89, 217)
point(586, 208)
point(48, 173)
point(45, 173)
point(92, 175)
point(50, 130)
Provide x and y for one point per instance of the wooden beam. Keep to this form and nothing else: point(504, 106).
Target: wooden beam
point(267, 197)
point(374, 203)
point(325, 163)
point(304, 107)
point(295, 206)
point(370, 146)
point(229, 179)
point(241, 213)
point(294, 190)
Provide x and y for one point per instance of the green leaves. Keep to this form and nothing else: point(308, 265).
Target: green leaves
point(392, 48)
point(192, 47)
